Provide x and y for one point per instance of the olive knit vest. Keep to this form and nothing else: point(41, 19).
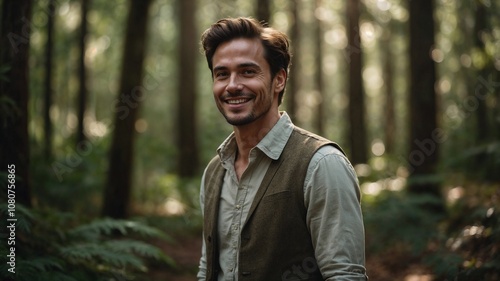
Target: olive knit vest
point(275, 240)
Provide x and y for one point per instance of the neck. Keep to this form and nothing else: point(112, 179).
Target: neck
point(248, 136)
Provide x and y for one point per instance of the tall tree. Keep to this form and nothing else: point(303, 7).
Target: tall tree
point(14, 95)
point(356, 110)
point(484, 87)
point(294, 81)
point(263, 10)
point(484, 131)
point(48, 89)
point(186, 119)
point(389, 105)
point(423, 155)
point(82, 73)
point(131, 94)
point(319, 119)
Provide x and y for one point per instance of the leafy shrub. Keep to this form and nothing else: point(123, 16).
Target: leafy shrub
point(470, 244)
point(459, 245)
point(399, 218)
point(56, 246)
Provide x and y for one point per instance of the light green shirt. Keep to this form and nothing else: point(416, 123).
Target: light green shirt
point(331, 197)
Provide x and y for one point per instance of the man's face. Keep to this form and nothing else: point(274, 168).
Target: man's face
point(242, 84)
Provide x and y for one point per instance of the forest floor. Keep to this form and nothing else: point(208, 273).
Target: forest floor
point(185, 250)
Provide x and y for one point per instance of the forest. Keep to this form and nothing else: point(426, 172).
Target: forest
point(107, 121)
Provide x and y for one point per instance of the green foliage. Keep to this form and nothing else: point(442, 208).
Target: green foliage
point(3, 70)
point(107, 226)
point(72, 179)
point(8, 108)
point(480, 162)
point(461, 244)
point(59, 246)
point(400, 219)
point(469, 246)
point(170, 185)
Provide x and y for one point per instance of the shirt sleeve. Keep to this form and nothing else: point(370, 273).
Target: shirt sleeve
point(332, 198)
point(202, 268)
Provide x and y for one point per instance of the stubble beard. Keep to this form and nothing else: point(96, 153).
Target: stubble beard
point(249, 118)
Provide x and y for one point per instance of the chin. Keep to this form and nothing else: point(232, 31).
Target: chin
point(240, 121)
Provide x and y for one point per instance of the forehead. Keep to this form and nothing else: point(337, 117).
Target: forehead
point(238, 50)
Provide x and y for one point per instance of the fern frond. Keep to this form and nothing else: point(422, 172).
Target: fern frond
point(42, 264)
point(145, 230)
point(108, 226)
point(39, 270)
point(133, 246)
point(142, 249)
point(24, 217)
point(100, 226)
point(93, 253)
point(56, 276)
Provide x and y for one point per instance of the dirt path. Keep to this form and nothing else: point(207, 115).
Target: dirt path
point(185, 251)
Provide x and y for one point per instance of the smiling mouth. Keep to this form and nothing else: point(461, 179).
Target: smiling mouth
point(237, 101)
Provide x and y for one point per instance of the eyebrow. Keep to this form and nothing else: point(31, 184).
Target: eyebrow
point(241, 65)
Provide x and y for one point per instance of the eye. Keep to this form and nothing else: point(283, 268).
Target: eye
point(221, 74)
point(249, 72)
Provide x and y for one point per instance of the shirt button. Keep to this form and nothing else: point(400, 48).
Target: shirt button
point(238, 207)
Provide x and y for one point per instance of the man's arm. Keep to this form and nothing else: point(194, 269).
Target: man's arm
point(332, 199)
point(203, 260)
point(203, 264)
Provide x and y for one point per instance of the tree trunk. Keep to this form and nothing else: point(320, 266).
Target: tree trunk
point(294, 79)
point(14, 94)
point(483, 129)
point(318, 53)
point(424, 134)
point(263, 10)
point(357, 127)
point(389, 106)
point(48, 90)
point(82, 75)
point(484, 87)
point(131, 94)
point(186, 119)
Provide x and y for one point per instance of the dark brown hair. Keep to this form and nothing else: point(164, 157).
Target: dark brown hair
point(275, 43)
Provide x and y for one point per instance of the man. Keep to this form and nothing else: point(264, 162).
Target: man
point(279, 203)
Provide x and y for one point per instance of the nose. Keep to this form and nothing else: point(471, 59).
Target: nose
point(234, 84)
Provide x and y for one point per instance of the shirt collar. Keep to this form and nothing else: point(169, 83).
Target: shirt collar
point(272, 144)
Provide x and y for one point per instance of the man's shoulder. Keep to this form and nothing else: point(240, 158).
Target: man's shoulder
point(316, 140)
point(213, 164)
point(305, 133)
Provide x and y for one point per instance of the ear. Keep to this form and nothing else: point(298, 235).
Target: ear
point(280, 81)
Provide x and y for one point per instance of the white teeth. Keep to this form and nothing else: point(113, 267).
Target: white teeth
point(236, 101)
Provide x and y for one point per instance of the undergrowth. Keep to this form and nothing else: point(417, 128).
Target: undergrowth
point(55, 246)
point(462, 244)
